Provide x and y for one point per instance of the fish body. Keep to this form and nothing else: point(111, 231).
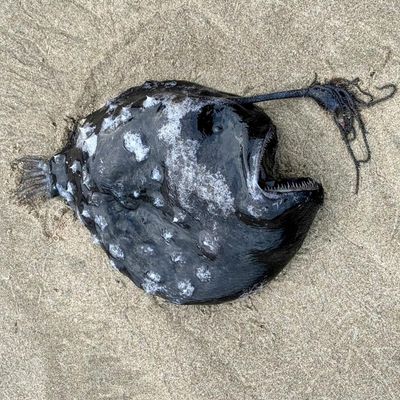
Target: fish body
point(176, 182)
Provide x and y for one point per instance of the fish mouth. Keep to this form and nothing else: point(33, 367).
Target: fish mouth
point(266, 171)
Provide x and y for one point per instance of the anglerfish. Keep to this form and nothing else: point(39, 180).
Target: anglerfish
point(178, 184)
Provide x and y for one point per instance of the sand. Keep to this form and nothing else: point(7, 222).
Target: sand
point(327, 328)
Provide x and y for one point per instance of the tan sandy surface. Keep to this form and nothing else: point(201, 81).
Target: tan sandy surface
point(326, 328)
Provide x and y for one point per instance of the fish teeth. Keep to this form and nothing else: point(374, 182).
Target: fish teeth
point(301, 184)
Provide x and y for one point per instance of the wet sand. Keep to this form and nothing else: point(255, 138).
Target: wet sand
point(326, 328)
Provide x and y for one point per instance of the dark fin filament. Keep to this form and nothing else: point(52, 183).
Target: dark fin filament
point(338, 97)
point(35, 179)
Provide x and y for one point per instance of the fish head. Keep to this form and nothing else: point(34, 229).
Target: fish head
point(266, 218)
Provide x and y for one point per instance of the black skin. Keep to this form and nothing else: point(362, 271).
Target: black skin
point(224, 247)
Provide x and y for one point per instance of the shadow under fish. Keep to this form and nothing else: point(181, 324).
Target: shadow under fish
point(177, 183)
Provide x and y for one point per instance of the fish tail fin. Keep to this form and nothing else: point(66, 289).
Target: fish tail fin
point(35, 181)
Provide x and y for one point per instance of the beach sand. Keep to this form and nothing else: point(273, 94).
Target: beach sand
point(327, 328)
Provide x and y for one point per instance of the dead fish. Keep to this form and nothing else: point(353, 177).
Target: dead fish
point(177, 182)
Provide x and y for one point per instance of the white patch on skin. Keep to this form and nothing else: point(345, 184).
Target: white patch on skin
point(158, 201)
point(96, 240)
point(209, 242)
point(86, 214)
point(111, 106)
point(186, 175)
point(86, 178)
point(101, 168)
point(156, 174)
point(170, 84)
point(100, 222)
point(113, 123)
point(167, 235)
point(70, 188)
point(154, 276)
point(75, 167)
point(146, 249)
point(91, 145)
point(150, 102)
point(116, 251)
point(185, 288)
point(136, 194)
point(133, 143)
point(87, 139)
point(203, 274)
point(147, 85)
point(179, 216)
point(85, 131)
point(254, 211)
point(152, 287)
point(177, 257)
point(107, 123)
point(151, 283)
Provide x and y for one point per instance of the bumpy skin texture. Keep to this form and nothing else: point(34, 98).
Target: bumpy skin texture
point(176, 182)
